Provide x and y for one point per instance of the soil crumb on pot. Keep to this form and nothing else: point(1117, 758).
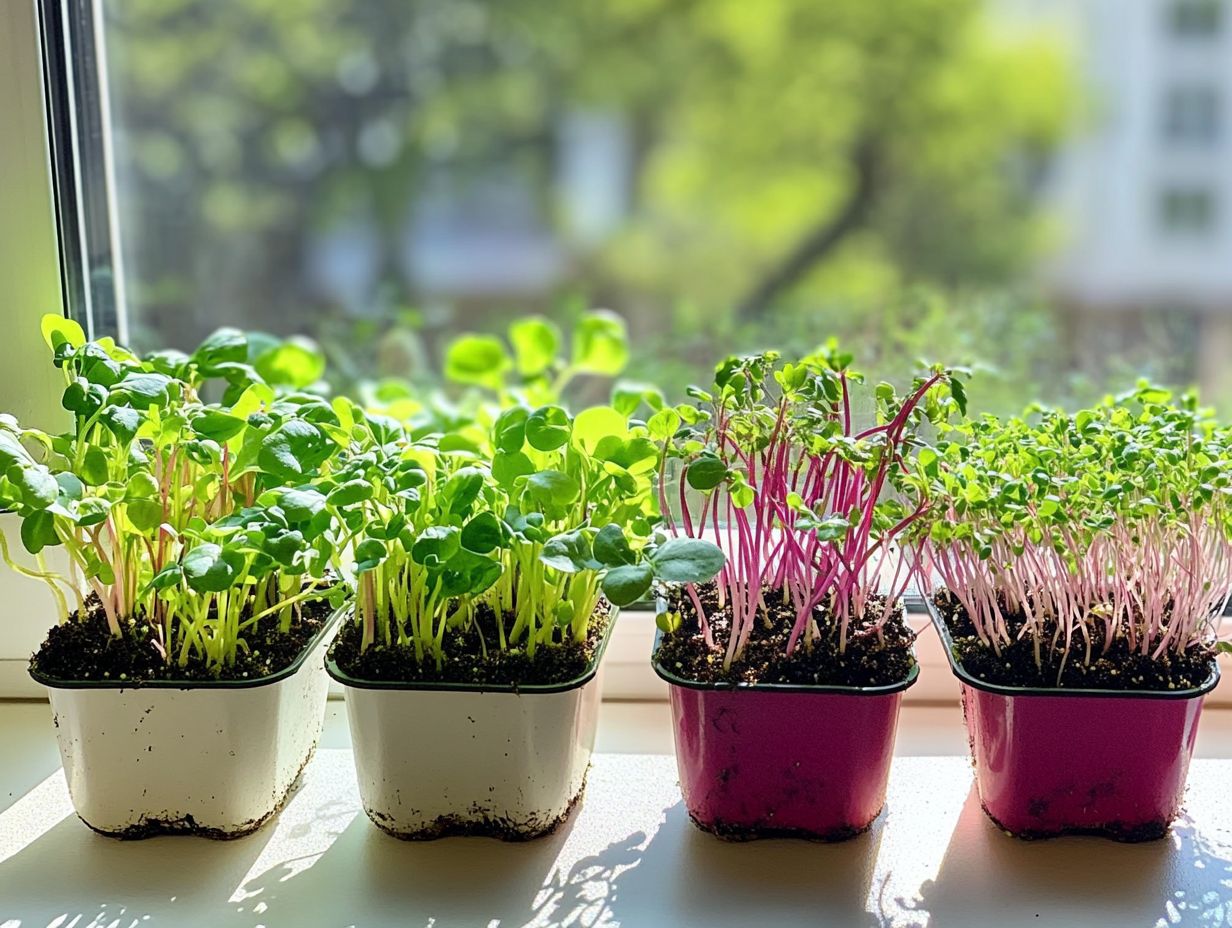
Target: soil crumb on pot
point(465, 660)
point(86, 650)
point(480, 824)
point(868, 660)
point(1117, 831)
point(739, 833)
point(1112, 665)
point(188, 825)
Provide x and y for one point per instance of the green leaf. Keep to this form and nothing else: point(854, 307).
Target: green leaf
point(668, 622)
point(293, 450)
point(663, 424)
point(552, 487)
point(169, 576)
point(38, 531)
point(59, 331)
point(284, 545)
point(592, 425)
point(39, 488)
point(569, 552)
point(146, 390)
point(628, 395)
point(483, 533)
point(509, 431)
point(145, 514)
point(70, 485)
point(686, 560)
point(296, 362)
point(217, 425)
point(350, 492)
point(535, 342)
point(83, 398)
point(141, 485)
point(91, 511)
point(122, 421)
point(612, 548)
point(461, 489)
point(436, 545)
point(959, 392)
point(301, 505)
point(477, 359)
point(600, 344)
point(508, 467)
point(547, 428)
point(369, 554)
point(623, 586)
point(468, 573)
point(208, 568)
point(224, 346)
point(706, 472)
point(13, 453)
point(94, 467)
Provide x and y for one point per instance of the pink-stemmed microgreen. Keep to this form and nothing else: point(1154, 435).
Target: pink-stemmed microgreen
point(808, 501)
point(1075, 531)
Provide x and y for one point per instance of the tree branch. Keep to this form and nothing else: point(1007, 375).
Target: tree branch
point(823, 239)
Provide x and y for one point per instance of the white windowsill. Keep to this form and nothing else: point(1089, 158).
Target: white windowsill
point(629, 855)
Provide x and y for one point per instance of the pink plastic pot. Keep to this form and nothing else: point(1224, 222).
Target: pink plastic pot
point(1051, 762)
point(761, 761)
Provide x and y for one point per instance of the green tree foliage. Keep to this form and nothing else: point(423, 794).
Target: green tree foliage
point(794, 164)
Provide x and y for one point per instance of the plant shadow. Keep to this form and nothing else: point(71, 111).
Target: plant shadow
point(775, 881)
point(1183, 879)
point(69, 875)
point(593, 872)
point(443, 883)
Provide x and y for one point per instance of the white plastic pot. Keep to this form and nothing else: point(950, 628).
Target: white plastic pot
point(452, 759)
point(213, 759)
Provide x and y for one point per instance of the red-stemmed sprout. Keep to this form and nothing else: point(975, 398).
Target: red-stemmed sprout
point(808, 502)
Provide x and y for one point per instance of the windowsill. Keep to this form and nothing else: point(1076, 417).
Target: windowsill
point(628, 856)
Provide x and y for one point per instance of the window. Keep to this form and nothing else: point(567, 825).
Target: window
point(1186, 210)
point(1192, 115)
point(1196, 19)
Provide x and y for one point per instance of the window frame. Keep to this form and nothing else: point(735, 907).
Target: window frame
point(32, 274)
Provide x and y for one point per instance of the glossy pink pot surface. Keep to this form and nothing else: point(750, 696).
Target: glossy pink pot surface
point(1051, 762)
point(1052, 765)
point(779, 761)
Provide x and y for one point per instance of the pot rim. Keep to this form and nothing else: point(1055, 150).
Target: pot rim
point(182, 684)
point(819, 689)
point(999, 689)
point(533, 689)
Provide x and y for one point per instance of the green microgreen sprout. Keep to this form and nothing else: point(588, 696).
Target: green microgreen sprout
point(559, 516)
point(1075, 530)
point(176, 514)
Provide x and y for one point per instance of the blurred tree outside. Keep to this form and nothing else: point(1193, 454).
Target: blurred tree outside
point(729, 175)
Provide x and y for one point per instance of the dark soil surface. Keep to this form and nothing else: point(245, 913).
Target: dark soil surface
point(464, 658)
point(1115, 669)
point(86, 650)
point(867, 660)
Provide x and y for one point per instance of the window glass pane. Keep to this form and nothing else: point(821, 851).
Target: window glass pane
point(922, 178)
